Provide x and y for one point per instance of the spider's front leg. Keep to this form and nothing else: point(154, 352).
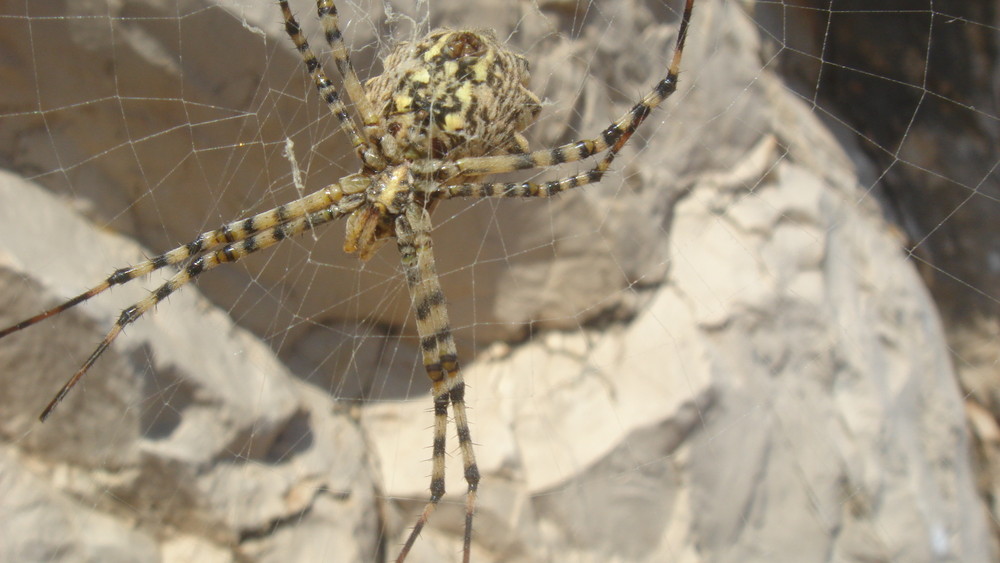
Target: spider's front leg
point(441, 362)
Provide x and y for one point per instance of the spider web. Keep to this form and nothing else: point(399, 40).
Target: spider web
point(769, 334)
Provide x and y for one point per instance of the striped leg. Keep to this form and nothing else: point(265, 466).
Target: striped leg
point(533, 189)
point(613, 136)
point(441, 362)
point(325, 88)
point(355, 92)
point(229, 253)
point(227, 234)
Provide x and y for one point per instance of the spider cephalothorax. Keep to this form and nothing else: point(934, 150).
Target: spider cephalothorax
point(386, 194)
point(447, 111)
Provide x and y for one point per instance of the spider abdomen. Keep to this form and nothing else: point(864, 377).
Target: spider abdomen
point(439, 98)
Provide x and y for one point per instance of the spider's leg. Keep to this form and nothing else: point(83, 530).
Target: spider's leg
point(613, 136)
point(229, 253)
point(441, 362)
point(227, 234)
point(341, 57)
point(325, 88)
point(531, 189)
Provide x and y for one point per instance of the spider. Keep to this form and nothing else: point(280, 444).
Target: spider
point(447, 110)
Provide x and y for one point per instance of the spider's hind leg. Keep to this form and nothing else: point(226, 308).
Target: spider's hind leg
point(327, 12)
point(324, 86)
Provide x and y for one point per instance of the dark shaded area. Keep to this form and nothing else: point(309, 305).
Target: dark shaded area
point(918, 87)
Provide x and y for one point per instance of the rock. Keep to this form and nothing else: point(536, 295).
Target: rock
point(188, 439)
